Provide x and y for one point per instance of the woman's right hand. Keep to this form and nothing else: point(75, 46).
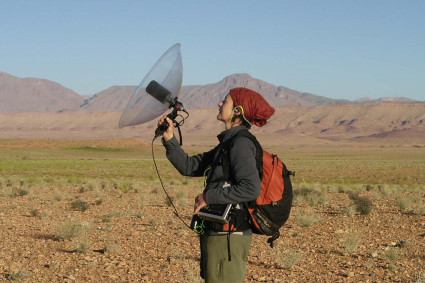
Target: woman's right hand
point(169, 133)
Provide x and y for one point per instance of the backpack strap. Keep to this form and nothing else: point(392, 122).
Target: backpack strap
point(258, 158)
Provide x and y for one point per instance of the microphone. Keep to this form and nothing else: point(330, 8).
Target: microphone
point(159, 92)
point(163, 95)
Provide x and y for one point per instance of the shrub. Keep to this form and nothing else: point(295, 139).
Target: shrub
point(82, 248)
point(420, 210)
point(420, 278)
point(351, 242)
point(386, 190)
point(368, 187)
point(12, 276)
point(79, 205)
point(362, 204)
point(287, 257)
point(35, 212)
point(108, 217)
point(153, 222)
point(181, 197)
point(404, 203)
point(310, 196)
point(350, 210)
point(91, 186)
point(19, 192)
point(70, 230)
point(392, 254)
point(306, 218)
point(58, 196)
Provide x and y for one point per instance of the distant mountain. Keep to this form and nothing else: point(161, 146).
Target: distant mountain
point(370, 100)
point(210, 95)
point(113, 98)
point(207, 96)
point(35, 95)
point(39, 95)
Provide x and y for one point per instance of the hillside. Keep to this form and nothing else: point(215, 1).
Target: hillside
point(205, 96)
point(39, 95)
point(350, 122)
point(35, 95)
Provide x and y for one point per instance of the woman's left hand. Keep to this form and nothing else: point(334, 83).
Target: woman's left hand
point(199, 203)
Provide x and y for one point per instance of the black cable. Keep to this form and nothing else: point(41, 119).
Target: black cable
point(169, 198)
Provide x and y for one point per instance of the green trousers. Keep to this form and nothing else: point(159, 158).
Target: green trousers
point(215, 264)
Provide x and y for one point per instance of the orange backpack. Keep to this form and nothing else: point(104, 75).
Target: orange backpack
point(272, 207)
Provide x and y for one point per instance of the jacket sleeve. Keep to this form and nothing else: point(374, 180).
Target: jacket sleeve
point(247, 183)
point(193, 166)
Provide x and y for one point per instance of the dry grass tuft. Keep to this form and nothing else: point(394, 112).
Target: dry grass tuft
point(287, 257)
point(306, 219)
point(352, 241)
point(70, 230)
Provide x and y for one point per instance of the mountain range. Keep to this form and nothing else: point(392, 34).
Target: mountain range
point(41, 95)
point(38, 108)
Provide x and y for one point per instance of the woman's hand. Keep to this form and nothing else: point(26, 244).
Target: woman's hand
point(169, 133)
point(199, 203)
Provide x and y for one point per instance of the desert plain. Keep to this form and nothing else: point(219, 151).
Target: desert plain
point(81, 201)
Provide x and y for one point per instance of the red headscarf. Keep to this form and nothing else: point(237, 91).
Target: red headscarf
point(255, 108)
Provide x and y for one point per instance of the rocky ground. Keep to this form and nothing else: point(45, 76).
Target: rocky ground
point(102, 233)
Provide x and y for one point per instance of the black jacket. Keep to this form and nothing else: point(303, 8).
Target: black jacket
point(245, 183)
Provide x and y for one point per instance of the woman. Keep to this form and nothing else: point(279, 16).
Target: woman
point(224, 248)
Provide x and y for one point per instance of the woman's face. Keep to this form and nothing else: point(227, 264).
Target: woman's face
point(225, 111)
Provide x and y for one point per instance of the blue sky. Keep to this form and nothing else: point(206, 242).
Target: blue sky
point(339, 49)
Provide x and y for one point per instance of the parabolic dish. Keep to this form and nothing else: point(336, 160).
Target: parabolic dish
point(142, 107)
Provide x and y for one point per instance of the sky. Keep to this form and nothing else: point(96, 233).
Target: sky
point(338, 49)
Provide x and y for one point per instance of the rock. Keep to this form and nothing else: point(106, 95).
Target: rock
point(374, 254)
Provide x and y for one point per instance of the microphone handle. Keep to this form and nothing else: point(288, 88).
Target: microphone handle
point(161, 128)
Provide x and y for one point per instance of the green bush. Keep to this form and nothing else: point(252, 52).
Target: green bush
point(79, 205)
point(19, 192)
point(363, 204)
